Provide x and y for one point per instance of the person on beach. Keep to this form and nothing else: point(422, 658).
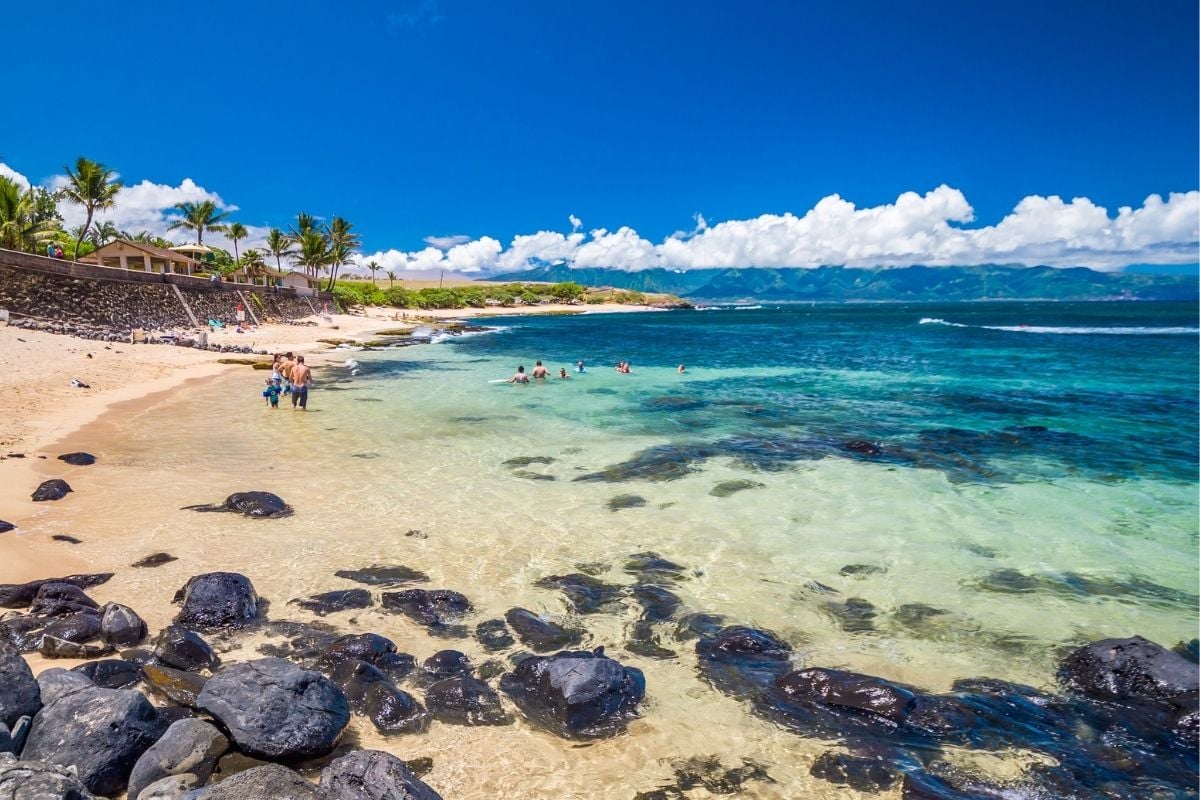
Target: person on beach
point(272, 392)
point(50, 250)
point(540, 372)
point(285, 370)
point(520, 377)
point(301, 380)
point(276, 361)
point(579, 366)
point(58, 251)
point(562, 373)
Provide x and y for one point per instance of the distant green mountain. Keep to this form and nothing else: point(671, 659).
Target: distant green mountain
point(896, 284)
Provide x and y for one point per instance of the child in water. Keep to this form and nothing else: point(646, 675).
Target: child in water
point(272, 392)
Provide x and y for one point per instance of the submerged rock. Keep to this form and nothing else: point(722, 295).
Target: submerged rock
point(463, 700)
point(372, 648)
point(373, 775)
point(849, 690)
point(622, 501)
point(650, 567)
point(586, 594)
point(576, 695)
point(332, 602)
point(189, 746)
point(854, 614)
point(369, 692)
point(217, 600)
point(63, 537)
point(53, 489)
point(154, 560)
point(540, 635)
point(525, 461)
point(383, 575)
point(273, 709)
point(259, 505)
point(859, 773)
point(78, 459)
point(727, 488)
point(100, 732)
point(742, 661)
point(493, 634)
point(436, 609)
point(444, 664)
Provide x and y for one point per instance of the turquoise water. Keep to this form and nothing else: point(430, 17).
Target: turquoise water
point(924, 493)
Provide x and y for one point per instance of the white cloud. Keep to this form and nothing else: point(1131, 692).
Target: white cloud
point(931, 229)
point(446, 242)
point(10, 173)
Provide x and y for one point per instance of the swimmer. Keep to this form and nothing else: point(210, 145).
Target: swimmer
point(520, 377)
point(579, 366)
point(562, 373)
point(681, 369)
point(540, 372)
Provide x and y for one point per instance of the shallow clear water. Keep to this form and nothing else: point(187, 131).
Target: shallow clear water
point(1031, 473)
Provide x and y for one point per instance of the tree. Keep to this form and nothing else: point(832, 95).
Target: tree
point(374, 266)
point(391, 278)
point(200, 217)
point(304, 224)
point(252, 261)
point(236, 231)
point(103, 233)
point(312, 252)
point(91, 185)
point(20, 225)
point(279, 245)
point(342, 244)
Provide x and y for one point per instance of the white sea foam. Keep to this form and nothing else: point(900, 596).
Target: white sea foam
point(1116, 330)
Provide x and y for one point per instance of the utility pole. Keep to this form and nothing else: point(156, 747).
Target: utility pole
point(442, 275)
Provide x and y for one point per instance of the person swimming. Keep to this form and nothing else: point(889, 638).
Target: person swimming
point(540, 372)
point(579, 366)
point(520, 377)
point(681, 369)
point(562, 373)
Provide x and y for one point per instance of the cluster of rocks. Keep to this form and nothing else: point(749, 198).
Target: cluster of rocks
point(104, 334)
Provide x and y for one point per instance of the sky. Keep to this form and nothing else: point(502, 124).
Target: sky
point(477, 136)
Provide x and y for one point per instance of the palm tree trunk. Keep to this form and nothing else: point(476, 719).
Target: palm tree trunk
point(82, 233)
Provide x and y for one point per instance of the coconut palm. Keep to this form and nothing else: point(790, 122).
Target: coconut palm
point(236, 231)
point(391, 278)
point(312, 252)
point(304, 224)
point(91, 185)
point(200, 217)
point(279, 245)
point(20, 228)
point(342, 244)
point(374, 266)
point(103, 233)
point(252, 261)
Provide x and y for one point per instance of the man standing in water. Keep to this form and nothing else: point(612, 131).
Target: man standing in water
point(540, 372)
point(301, 378)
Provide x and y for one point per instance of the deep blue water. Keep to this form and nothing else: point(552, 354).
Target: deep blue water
point(983, 391)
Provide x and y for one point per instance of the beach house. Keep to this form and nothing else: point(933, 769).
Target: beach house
point(141, 257)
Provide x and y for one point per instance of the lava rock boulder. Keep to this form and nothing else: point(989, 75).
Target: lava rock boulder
point(576, 695)
point(217, 600)
point(258, 505)
point(276, 710)
point(53, 489)
point(373, 775)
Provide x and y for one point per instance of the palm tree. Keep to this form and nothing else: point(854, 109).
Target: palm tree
point(391, 278)
point(374, 266)
point(312, 252)
point(342, 244)
point(103, 233)
point(252, 261)
point(236, 231)
point(200, 217)
point(279, 245)
point(20, 228)
point(304, 224)
point(93, 186)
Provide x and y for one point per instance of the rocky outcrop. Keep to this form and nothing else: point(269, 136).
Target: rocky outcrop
point(273, 709)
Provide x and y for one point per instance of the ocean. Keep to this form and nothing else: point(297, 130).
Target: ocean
point(925, 493)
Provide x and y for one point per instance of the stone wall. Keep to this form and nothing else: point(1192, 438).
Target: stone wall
point(120, 300)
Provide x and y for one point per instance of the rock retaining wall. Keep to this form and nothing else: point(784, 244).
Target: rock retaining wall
point(119, 300)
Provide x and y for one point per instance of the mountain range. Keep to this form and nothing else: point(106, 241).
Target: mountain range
point(917, 283)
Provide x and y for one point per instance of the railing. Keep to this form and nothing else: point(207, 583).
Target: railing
point(76, 269)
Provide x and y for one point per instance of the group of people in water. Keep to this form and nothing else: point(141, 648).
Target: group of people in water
point(289, 376)
point(540, 373)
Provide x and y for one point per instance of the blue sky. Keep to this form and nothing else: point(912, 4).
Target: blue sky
point(441, 117)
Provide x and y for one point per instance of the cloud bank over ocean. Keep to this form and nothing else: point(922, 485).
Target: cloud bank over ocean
point(932, 229)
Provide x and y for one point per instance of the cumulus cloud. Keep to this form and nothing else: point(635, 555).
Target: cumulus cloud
point(931, 229)
point(576, 222)
point(446, 242)
point(10, 173)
